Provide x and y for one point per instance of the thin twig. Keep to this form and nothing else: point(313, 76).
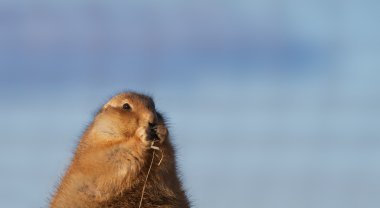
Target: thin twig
point(150, 167)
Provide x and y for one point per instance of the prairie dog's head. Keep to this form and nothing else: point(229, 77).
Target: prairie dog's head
point(129, 115)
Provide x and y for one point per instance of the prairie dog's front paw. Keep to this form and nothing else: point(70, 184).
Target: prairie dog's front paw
point(162, 133)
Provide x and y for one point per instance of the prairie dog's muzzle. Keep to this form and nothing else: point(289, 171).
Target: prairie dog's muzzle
point(152, 132)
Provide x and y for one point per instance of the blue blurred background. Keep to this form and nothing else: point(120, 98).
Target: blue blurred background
point(272, 104)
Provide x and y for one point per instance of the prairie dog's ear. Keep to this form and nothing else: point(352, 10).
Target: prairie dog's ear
point(110, 103)
point(107, 105)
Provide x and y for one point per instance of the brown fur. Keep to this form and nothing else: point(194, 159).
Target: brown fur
point(112, 159)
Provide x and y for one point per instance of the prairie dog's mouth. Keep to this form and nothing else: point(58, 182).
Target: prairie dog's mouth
point(152, 132)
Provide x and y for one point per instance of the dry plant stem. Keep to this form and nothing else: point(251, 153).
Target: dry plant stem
point(150, 167)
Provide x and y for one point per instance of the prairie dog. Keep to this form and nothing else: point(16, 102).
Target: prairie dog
point(112, 159)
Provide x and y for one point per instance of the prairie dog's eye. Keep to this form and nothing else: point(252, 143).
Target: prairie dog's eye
point(126, 106)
